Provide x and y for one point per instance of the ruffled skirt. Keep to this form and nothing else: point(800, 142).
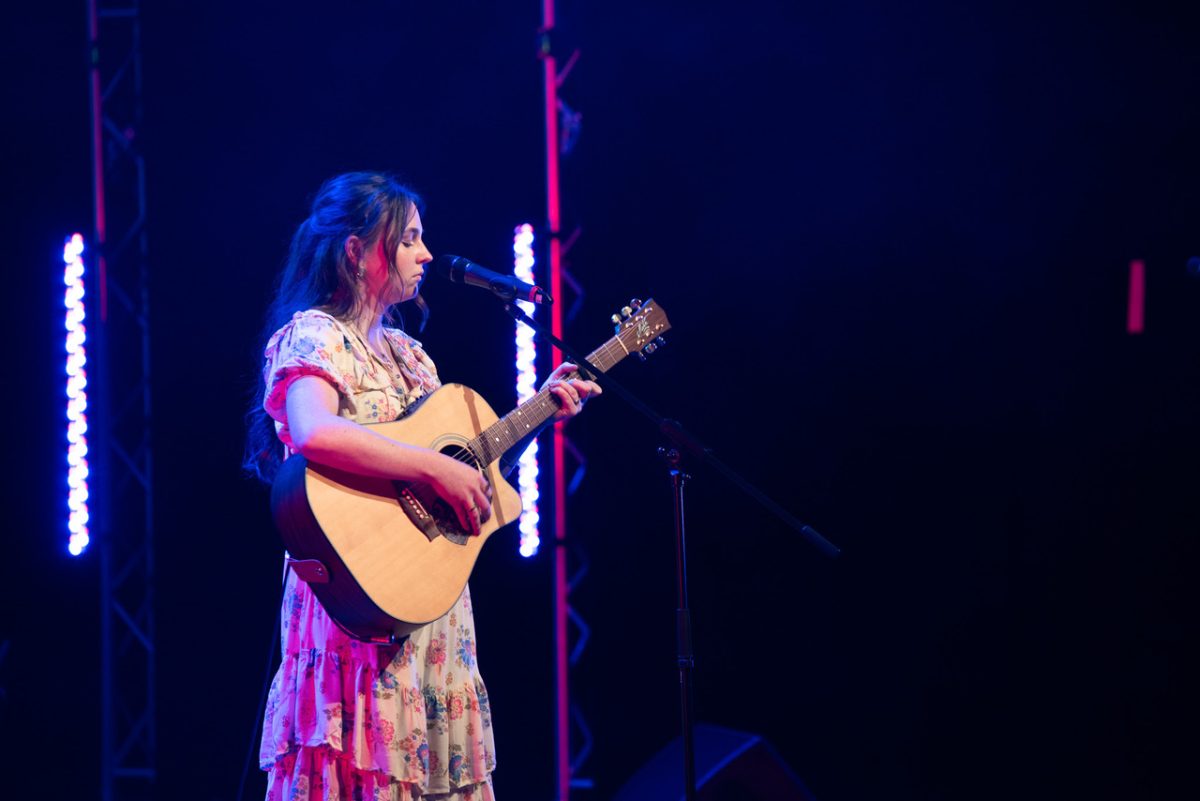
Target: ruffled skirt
point(352, 720)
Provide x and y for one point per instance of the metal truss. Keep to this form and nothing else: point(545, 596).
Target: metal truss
point(122, 463)
point(562, 129)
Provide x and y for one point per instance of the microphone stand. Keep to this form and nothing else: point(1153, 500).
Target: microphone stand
point(681, 442)
point(684, 656)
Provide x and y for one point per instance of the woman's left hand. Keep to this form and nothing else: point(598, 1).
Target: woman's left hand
point(571, 392)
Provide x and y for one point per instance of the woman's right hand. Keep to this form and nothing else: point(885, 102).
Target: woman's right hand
point(465, 489)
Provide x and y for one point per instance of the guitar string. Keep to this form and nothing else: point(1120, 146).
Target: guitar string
point(468, 455)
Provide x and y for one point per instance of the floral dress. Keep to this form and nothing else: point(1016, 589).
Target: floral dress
point(352, 720)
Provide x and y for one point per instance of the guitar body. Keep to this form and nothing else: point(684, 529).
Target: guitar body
point(386, 557)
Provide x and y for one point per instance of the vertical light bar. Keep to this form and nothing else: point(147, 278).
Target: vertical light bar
point(1135, 316)
point(77, 466)
point(527, 470)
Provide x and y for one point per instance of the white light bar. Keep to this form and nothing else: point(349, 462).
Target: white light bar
point(77, 466)
point(527, 471)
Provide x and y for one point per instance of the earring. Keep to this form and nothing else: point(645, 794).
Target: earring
point(362, 271)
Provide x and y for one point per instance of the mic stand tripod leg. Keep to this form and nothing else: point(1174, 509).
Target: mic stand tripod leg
point(683, 623)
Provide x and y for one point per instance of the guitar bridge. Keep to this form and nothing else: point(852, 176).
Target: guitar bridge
point(429, 513)
point(413, 505)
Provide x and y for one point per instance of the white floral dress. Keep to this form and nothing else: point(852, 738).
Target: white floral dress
point(347, 719)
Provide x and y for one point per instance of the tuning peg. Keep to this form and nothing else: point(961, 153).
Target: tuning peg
point(651, 348)
point(626, 312)
point(616, 319)
point(661, 341)
point(636, 303)
point(641, 355)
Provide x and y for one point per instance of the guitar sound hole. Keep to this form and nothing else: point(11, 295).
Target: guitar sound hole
point(444, 516)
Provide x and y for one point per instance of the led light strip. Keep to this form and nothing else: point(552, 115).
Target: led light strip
point(527, 470)
point(77, 466)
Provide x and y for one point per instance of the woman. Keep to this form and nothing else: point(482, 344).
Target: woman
point(347, 719)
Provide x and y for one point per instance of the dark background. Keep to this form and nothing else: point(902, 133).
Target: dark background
point(893, 241)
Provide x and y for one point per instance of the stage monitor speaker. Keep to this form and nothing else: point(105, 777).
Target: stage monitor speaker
point(730, 766)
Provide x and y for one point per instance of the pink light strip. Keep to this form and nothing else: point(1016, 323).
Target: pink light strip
point(557, 449)
point(1135, 317)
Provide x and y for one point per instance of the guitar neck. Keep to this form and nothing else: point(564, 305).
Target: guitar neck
point(637, 332)
point(509, 430)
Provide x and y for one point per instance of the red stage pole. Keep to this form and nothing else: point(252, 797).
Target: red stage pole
point(557, 444)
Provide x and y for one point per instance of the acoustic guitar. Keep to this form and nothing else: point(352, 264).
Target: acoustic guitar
point(385, 557)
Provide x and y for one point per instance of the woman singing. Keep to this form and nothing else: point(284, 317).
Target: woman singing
point(347, 719)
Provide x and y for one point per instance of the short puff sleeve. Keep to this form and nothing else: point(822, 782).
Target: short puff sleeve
point(312, 343)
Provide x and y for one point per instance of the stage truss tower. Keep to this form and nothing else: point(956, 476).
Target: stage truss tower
point(562, 127)
point(122, 464)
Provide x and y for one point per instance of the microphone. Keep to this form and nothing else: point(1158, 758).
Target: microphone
point(505, 287)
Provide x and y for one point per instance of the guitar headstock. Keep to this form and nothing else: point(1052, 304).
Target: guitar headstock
point(640, 326)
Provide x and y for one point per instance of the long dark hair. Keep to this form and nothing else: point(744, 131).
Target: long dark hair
point(319, 275)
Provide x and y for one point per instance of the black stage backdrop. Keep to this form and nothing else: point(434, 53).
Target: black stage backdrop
point(893, 240)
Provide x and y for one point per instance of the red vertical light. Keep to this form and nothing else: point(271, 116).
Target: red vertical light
point(99, 212)
point(1135, 317)
point(562, 700)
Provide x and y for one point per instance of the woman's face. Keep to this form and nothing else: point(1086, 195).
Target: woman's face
point(411, 256)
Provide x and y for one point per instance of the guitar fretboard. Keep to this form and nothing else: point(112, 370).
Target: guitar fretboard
point(506, 432)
